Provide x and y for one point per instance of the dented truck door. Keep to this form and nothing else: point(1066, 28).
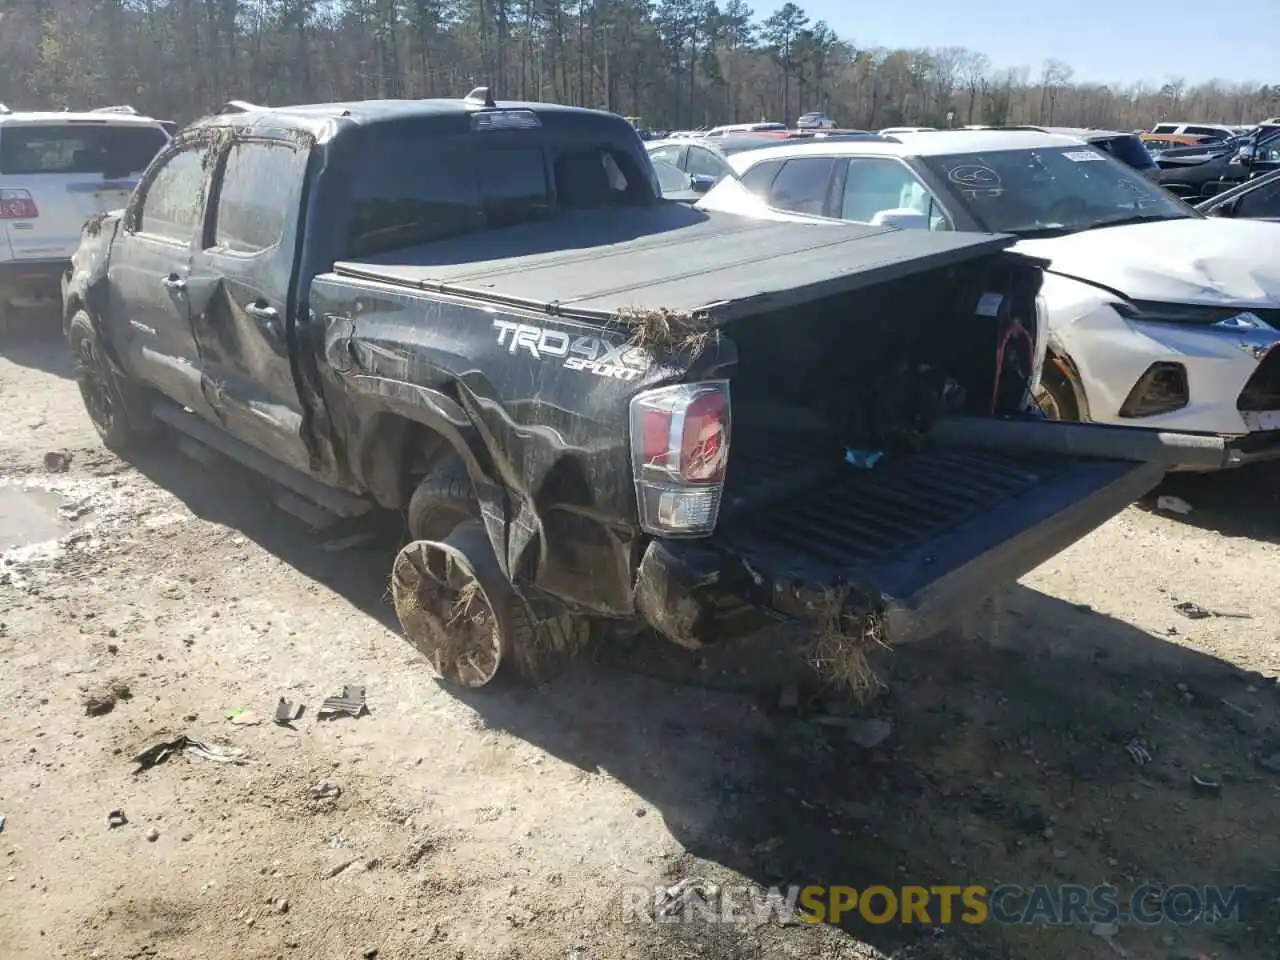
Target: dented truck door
point(147, 311)
point(241, 294)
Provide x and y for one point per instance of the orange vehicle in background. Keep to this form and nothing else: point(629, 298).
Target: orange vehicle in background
point(1157, 142)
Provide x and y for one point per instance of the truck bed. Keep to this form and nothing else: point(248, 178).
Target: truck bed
point(593, 264)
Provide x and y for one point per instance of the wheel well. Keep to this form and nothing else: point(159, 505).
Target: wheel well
point(397, 452)
point(1059, 367)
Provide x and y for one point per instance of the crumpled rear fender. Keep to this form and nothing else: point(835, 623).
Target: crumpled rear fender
point(86, 286)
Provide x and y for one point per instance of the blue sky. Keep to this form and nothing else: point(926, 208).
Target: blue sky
point(1123, 41)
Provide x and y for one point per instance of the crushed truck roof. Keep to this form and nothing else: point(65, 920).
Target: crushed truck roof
point(672, 257)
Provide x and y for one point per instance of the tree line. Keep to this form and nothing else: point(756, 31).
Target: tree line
point(672, 63)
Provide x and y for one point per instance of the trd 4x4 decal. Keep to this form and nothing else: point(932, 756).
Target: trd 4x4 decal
point(590, 354)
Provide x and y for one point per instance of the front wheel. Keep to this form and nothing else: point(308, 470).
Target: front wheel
point(116, 406)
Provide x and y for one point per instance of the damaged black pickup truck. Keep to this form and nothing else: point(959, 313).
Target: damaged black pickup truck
point(592, 406)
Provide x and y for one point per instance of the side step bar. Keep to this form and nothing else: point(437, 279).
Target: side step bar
point(1096, 440)
point(336, 501)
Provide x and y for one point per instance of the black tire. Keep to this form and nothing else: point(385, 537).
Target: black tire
point(444, 499)
point(116, 406)
point(1056, 399)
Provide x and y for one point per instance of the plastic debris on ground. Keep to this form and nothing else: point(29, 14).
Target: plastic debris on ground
point(287, 714)
point(244, 718)
point(116, 818)
point(158, 753)
point(1173, 505)
point(349, 703)
point(1138, 752)
point(863, 459)
point(1193, 611)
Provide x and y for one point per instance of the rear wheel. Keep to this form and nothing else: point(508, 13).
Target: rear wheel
point(455, 604)
point(441, 501)
point(116, 405)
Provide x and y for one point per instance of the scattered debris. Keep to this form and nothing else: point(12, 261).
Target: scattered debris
point(1138, 752)
point(1193, 611)
point(672, 330)
point(152, 834)
point(1238, 709)
point(674, 898)
point(244, 718)
point(350, 703)
point(1107, 933)
point(281, 905)
point(871, 732)
point(1, 823)
point(326, 790)
point(863, 459)
point(848, 628)
point(101, 698)
point(347, 867)
point(160, 752)
point(57, 461)
point(1206, 785)
point(116, 818)
point(1173, 505)
point(287, 713)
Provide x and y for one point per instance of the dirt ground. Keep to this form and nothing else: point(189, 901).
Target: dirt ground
point(1055, 741)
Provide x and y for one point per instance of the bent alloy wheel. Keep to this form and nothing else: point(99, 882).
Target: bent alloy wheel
point(447, 614)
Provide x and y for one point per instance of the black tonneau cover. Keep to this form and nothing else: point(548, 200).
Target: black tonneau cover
point(674, 257)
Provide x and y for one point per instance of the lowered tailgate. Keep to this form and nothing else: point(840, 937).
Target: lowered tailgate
point(925, 537)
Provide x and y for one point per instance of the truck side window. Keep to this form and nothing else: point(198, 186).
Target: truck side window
point(256, 194)
point(172, 202)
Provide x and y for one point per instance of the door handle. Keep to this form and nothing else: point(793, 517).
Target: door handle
point(174, 282)
point(267, 317)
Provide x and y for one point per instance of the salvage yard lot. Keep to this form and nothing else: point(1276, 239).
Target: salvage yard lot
point(1058, 740)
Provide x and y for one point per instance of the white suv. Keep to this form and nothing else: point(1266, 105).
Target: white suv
point(56, 171)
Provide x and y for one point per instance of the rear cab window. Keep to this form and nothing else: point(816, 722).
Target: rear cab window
point(411, 185)
point(108, 149)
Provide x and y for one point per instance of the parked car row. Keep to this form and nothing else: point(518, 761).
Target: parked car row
point(595, 407)
point(56, 171)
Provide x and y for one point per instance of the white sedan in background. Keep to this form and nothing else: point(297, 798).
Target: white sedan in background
point(1157, 315)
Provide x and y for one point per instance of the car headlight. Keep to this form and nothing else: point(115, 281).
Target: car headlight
point(1195, 314)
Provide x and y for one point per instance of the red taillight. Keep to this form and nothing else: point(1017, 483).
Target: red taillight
point(704, 448)
point(17, 205)
point(680, 450)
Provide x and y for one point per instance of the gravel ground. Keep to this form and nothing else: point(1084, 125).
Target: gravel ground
point(1055, 740)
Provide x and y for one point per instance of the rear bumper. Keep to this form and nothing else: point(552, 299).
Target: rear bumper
point(32, 278)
